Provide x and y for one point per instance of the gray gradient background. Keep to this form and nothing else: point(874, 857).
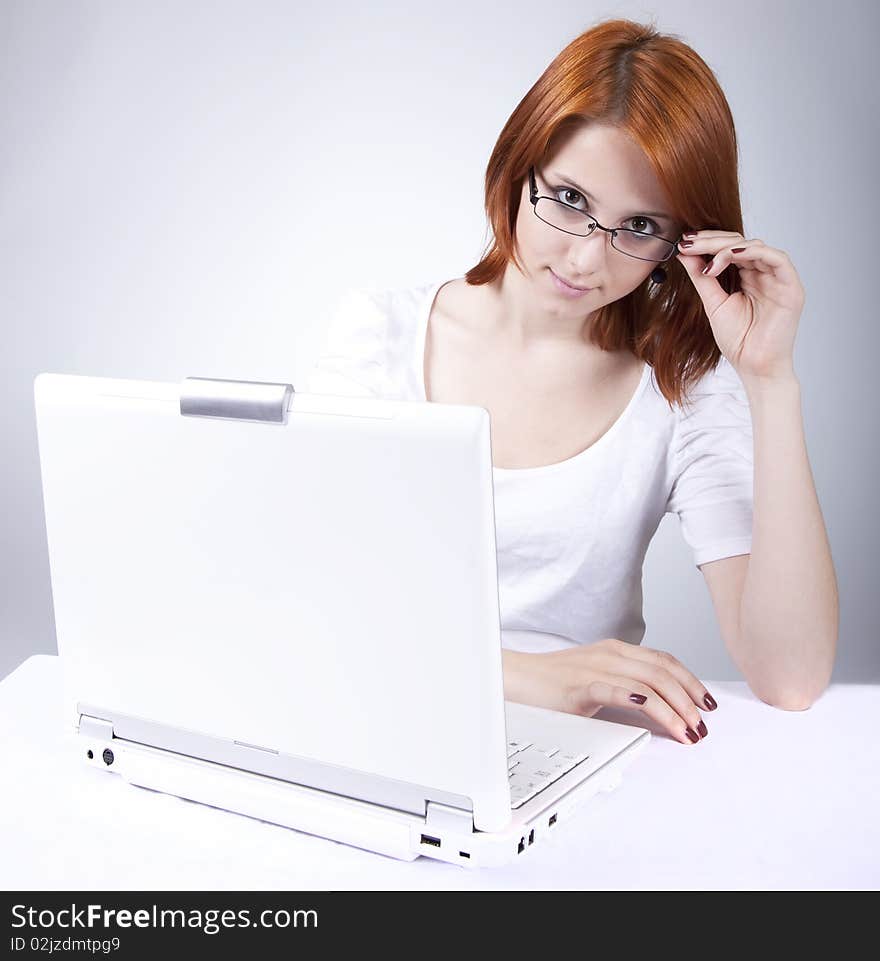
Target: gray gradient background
point(161, 176)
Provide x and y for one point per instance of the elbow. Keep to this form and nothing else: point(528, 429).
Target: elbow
point(798, 688)
point(792, 700)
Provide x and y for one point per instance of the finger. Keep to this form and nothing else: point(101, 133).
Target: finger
point(612, 690)
point(663, 659)
point(752, 255)
point(709, 289)
point(678, 710)
point(721, 252)
point(714, 238)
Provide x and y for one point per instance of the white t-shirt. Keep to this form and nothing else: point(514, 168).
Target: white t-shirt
point(572, 536)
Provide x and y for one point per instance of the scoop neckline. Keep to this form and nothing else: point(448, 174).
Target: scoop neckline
point(572, 461)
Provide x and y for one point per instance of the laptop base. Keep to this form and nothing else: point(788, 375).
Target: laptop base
point(441, 834)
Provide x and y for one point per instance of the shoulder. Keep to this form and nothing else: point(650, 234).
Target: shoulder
point(368, 332)
point(357, 322)
point(718, 394)
point(721, 379)
point(715, 419)
point(372, 315)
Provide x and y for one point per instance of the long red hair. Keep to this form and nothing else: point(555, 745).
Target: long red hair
point(658, 90)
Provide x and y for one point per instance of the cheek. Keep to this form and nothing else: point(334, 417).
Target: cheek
point(543, 242)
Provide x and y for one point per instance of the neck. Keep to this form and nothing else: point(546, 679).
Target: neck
point(528, 314)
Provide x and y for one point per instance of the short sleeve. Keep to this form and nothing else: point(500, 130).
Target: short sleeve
point(712, 465)
point(352, 362)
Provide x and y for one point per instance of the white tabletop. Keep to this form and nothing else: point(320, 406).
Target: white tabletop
point(770, 799)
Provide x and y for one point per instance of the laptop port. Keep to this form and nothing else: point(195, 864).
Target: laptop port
point(522, 844)
point(552, 820)
point(532, 836)
point(427, 839)
point(464, 854)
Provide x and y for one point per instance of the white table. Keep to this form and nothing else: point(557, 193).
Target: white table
point(770, 799)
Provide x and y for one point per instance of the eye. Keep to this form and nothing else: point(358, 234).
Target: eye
point(639, 223)
point(569, 192)
point(644, 225)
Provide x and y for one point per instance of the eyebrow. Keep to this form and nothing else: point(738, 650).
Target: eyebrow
point(580, 190)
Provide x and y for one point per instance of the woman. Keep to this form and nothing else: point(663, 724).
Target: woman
point(632, 364)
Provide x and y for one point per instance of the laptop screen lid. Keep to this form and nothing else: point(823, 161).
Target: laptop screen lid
point(323, 587)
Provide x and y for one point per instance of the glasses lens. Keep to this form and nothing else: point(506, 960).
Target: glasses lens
point(643, 246)
point(564, 217)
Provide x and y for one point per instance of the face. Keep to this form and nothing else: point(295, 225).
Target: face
point(603, 162)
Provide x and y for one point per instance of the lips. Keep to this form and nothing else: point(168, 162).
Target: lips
point(568, 282)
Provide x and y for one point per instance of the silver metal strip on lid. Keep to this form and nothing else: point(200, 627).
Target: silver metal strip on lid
point(235, 399)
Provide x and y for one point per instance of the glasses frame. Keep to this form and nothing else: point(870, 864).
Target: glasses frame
point(534, 197)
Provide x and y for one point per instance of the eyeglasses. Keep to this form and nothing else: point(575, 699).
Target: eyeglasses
point(571, 220)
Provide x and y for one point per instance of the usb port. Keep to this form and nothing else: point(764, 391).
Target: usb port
point(532, 836)
point(552, 820)
point(427, 839)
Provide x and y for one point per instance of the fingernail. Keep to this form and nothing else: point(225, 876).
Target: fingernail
point(692, 735)
point(737, 250)
point(686, 243)
point(702, 730)
point(638, 698)
point(708, 266)
point(690, 233)
point(709, 701)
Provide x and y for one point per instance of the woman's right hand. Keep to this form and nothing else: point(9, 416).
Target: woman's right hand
point(584, 679)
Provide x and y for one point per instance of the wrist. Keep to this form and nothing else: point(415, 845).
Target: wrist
point(513, 670)
point(758, 389)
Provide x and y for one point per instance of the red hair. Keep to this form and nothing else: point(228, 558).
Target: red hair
point(659, 91)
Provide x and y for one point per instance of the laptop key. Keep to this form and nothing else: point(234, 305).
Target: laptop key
point(531, 792)
point(562, 765)
point(521, 796)
point(519, 791)
point(534, 760)
point(574, 756)
point(526, 785)
point(523, 781)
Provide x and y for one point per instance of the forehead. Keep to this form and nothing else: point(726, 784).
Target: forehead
point(610, 165)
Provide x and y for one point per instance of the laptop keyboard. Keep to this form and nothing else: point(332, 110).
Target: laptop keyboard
point(531, 766)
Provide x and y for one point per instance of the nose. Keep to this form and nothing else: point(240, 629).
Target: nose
point(587, 255)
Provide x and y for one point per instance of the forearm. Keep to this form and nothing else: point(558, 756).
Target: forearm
point(788, 623)
point(511, 667)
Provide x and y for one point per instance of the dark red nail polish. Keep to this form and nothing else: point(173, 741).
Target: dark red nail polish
point(737, 250)
point(692, 735)
point(709, 701)
point(702, 730)
point(638, 698)
point(686, 243)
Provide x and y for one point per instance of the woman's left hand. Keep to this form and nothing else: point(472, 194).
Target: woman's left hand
point(754, 327)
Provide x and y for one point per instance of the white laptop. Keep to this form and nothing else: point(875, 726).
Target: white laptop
point(286, 605)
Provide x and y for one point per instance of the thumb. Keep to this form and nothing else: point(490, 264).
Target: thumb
point(710, 291)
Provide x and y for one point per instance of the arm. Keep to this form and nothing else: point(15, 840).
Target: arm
point(778, 607)
point(786, 637)
point(514, 669)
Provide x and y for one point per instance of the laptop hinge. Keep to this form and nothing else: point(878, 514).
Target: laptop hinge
point(443, 817)
point(235, 399)
point(95, 727)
